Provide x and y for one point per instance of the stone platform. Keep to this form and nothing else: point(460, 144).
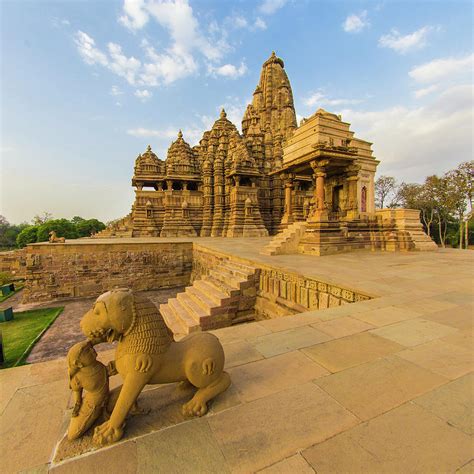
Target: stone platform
point(382, 385)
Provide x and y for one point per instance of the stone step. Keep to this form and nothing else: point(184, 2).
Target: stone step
point(172, 321)
point(222, 286)
point(226, 277)
point(211, 291)
point(238, 271)
point(189, 303)
point(188, 320)
point(207, 303)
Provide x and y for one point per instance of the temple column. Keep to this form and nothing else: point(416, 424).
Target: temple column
point(289, 184)
point(352, 206)
point(320, 212)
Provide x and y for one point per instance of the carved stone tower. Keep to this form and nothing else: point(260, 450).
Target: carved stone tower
point(267, 123)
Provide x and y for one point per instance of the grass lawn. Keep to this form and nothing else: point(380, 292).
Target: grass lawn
point(21, 334)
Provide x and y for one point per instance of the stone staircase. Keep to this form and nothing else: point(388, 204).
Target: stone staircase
point(287, 241)
point(120, 228)
point(226, 296)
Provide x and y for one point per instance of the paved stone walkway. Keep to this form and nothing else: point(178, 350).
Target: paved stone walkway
point(383, 385)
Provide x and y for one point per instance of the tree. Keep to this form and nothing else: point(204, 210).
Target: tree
point(41, 219)
point(385, 187)
point(9, 233)
point(62, 227)
point(77, 219)
point(460, 189)
point(85, 228)
point(27, 236)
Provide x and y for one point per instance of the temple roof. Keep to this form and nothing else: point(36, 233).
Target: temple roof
point(148, 164)
point(181, 160)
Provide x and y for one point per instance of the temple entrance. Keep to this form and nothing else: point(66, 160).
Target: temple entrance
point(336, 198)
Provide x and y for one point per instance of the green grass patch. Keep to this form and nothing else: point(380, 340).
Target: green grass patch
point(22, 333)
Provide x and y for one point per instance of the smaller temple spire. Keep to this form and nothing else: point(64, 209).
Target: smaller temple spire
point(148, 148)
point(223, 114)
point(180, 134)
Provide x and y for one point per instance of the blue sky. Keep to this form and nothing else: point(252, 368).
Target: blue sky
point(87, 85)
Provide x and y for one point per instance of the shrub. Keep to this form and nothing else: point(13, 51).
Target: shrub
point(28, 235)
point(62, 227)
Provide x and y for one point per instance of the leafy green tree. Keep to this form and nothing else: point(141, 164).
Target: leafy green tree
point(28, 235)
point(86, 228)
point(62, 227)
point(77, 220)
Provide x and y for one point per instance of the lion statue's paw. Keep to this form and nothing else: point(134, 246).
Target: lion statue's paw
point(107, 434)
point(194, 407)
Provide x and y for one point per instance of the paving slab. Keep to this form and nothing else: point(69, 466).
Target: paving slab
point(291, 465)
point(351, 351)
point(453, 403)
point(407, 439)
point(448, 360)
point(240, 353)
point(462, 338)
point(363, 389)
point(268, 430)
point(30, 425)
point(119, 458)
point(241, 332)
point(414, 332)
point(461, 318)
point(388, 315)
point(342, 327)
point(186, 448)
point(265, 377)
point(286, 341)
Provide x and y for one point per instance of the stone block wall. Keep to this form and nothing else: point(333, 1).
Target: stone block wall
point(280, 293)
point(87, 269)
point(285, 293)
point(14, 262)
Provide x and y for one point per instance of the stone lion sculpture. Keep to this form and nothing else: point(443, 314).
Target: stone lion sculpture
point(147, 354)
point(54, 239)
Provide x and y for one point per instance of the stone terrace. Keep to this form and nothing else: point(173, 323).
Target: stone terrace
point(383, 385)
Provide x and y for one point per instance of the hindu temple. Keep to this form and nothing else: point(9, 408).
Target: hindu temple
point(311, 184)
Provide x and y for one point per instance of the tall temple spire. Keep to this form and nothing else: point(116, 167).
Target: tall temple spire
point(273, 101)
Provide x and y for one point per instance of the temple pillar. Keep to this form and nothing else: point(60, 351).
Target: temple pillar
point(320, 212)
point(352, 206)
point(289, 184)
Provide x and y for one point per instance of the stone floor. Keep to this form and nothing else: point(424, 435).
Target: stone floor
point(383, 385)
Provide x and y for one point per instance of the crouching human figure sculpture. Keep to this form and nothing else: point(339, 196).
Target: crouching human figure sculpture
point(86, 374)
point(147, 354)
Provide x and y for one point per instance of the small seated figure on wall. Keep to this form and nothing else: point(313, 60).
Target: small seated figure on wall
point(54, 239)
point(87, 374)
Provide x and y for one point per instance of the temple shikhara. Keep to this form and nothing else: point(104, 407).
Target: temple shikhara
point(311, 184)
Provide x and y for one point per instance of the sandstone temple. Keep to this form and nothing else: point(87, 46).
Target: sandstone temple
point(311, 184)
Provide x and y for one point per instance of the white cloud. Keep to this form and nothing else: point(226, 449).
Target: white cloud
point(60, 22)
point(356, 23)
point(403, 44)
point(415, 142)
point(443, 68)
point(88, 51)
point(260, 24)
point(419, 93)
point(115, 91)
point(123, 66)
point(135, 16)
point(143, 94)
point(228, 70)
point(268, 7)
point(320, 99)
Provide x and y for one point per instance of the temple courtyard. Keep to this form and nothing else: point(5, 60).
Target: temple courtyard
point(383, 384)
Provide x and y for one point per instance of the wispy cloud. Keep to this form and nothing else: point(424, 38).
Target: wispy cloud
point(60, 22)
point(228, 70)
point(269, 7)
point(405, 43)
point(115, 91)
point(144, 94)
point(419, 93)
point(320, 99)
point(88, 50)
point(443, 68)
point(355, 23)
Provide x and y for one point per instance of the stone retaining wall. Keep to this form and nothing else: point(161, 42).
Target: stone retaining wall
point(74, 270)
point(14, 262)
point(280, 293)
